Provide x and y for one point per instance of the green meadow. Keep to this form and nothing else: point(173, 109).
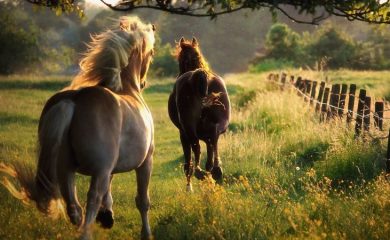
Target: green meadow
point(286, 175)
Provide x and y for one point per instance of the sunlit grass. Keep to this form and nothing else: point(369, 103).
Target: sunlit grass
point(287, 176)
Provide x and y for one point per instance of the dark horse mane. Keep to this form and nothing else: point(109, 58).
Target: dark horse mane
point(190, 57)
point(199, 107)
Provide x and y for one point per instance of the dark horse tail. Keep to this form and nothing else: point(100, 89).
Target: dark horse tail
point(42, 187)
point(199, 80)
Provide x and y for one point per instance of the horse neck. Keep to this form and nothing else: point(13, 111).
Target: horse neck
point(184, 69)
point(130, 77)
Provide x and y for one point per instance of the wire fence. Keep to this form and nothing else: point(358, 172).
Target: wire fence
point(330, 103)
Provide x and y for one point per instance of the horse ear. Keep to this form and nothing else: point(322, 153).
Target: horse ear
point(194, 42)
point(153, 27)
point(182, 42)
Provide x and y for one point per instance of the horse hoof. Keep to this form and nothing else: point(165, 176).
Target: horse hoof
point(217, 174)
point(105, 218)
point(188, 169)
point(209, 166)
point(76, 220)
point(199, 174)
point(75, 215)
point(189, 188)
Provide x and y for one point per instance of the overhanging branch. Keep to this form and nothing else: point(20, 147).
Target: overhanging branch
point(371, 11)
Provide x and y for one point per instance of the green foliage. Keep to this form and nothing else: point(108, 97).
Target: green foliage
point(367, 11)
point(328, 47)
point(29, 46)
point(282, 43)
point(332, 46)
point(19, 47)
point(164, 63)
point(270, 64)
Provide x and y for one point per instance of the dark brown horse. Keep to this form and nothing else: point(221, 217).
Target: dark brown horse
point(199, 107)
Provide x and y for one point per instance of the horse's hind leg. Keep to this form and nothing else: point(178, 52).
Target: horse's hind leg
point(188, 168)
point(199, 173)
point(142, 199)
point(106, 215)
point(210, 154)
point(68, 191)
point(66, 175)
point(98, 188)
point(216, 172)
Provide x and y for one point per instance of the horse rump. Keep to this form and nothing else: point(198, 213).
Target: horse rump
point(42, 187)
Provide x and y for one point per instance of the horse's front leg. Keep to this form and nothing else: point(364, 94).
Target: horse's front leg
point(99, 186)
point(106, 215)
point(142, 199)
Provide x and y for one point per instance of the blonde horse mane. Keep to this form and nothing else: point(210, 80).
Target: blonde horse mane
point(109, 52)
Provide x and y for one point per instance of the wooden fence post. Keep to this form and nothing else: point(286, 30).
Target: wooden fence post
point(298, 85)
point(307, 90)
point(343, 96)
point(367, 113)
point(313, 92)
point(302, 87)
point(360, 112)
point(324, 107)
point(283, 81)
point(298, 82)
point(388, 155)
point(378, 116)
point(320, 95)
point(351, 102)
point(334, 101)
point(292, 79)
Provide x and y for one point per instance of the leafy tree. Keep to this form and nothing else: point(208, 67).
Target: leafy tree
point(29, 47)
point(375, 11)
point(164, 63)
point(283, 43)
point(334, 47)
point(19, 46)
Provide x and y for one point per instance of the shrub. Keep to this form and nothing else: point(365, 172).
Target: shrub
point(164, 63)
point(270, 65)
point(333, 45)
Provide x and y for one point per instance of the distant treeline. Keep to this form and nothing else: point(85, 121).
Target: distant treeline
point(328, 47)
point(43, 43)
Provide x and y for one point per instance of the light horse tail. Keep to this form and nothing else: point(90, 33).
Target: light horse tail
point(42, 187)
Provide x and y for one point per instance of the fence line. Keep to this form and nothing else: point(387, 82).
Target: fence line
point(321, 103)
point(330, 103)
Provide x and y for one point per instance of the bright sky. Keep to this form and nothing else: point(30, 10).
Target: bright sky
point(98, 3)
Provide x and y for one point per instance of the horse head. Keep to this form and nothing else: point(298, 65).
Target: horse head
point(189, 56)
point(141, 54)
point(118, 59)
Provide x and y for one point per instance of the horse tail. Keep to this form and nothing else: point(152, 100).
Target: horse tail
point(42, 187)
point(199, 79)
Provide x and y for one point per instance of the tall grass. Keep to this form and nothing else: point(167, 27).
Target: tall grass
point(287, 176)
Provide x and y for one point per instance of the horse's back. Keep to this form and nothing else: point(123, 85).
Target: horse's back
point(95, 129)
point(185, 105)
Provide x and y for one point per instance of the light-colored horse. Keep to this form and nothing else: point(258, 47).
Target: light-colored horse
point(98, 126)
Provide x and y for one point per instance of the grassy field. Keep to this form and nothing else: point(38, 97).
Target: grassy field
point(286, 175)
